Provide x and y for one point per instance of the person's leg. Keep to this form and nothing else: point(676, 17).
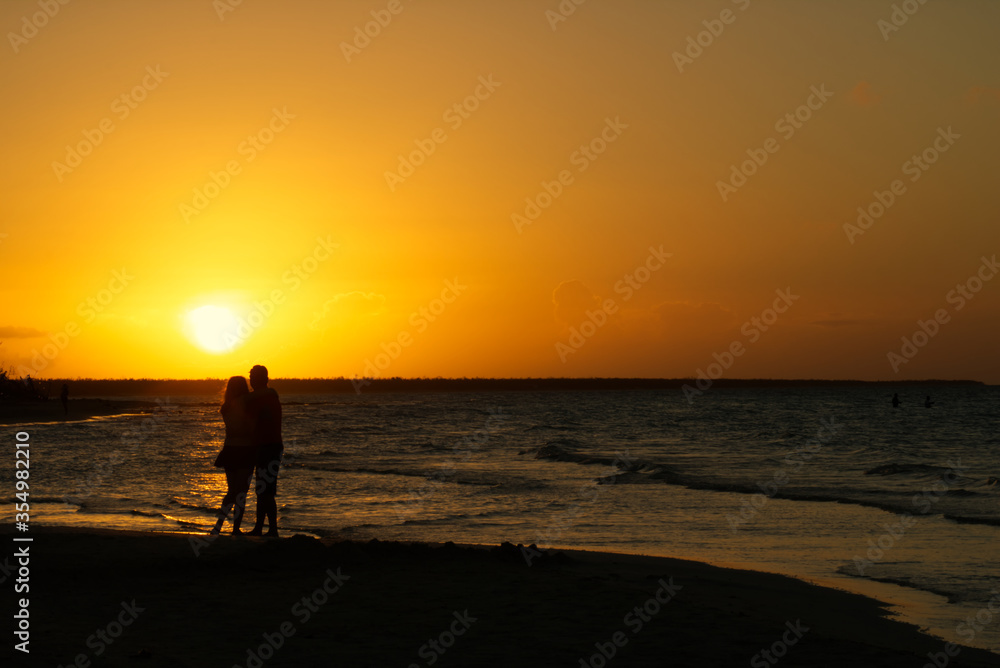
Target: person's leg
point(227, 501)
point(268, 507)
point(261, 490)
point(267, 484)
point(272, 516)
point(272, 504)
point(238, 509)
point(243, 479)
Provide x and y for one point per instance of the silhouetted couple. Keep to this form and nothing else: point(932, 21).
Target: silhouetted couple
point(253, 441)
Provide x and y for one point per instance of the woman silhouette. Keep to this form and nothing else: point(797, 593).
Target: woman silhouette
point(238, 452)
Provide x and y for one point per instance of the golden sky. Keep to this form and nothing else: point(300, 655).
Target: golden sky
point(500, 188)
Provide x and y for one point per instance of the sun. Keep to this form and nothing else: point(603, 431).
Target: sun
point(214, 329)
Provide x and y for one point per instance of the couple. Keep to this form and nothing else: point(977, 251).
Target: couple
point(253, 439)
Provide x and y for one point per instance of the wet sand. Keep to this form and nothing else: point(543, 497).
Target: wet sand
point(181, 600)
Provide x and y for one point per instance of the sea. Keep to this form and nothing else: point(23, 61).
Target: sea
point(832, 485)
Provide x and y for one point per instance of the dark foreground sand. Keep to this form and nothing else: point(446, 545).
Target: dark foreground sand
point(381, 604)
point(78, 409)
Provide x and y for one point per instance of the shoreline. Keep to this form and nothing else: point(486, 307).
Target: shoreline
point(80, 410)
point(163, 387)
point(223, 595)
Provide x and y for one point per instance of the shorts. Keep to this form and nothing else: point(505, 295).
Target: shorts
point(268, 463)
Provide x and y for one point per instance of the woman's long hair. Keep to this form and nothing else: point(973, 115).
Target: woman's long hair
point(235, 388)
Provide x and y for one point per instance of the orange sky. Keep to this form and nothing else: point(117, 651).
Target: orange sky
point(160, 157)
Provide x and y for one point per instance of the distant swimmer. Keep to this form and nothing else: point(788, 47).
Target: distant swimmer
point(927, 402)
point(895, 401)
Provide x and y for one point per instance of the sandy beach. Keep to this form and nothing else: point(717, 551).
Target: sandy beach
point(119, 598)
point(78, 409)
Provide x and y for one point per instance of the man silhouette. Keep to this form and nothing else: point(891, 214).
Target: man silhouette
point(265, 408)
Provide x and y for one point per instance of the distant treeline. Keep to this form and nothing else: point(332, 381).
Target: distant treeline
point(90, 387)
point(15, 388)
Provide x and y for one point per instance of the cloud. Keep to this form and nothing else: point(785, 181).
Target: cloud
point(982, 95)
point(572, 300)
point(20, 333)
point(348, 306)
point(863, 96)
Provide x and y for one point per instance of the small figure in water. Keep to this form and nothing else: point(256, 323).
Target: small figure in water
point(895, 401)
point(64, 398)
point(927, 402)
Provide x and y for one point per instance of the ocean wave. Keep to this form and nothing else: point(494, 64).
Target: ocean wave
point(852, 571)
point(193, 506)
point(186, 524)
point(908, 469)
point(549, 427)
point(562, 451)
point(453, 478)
point(434, 520)
point(331, 468)
point(961, 519)
point(645, 472)
point(40, 499)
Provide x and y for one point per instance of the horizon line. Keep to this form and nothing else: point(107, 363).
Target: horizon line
point(645, 379)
